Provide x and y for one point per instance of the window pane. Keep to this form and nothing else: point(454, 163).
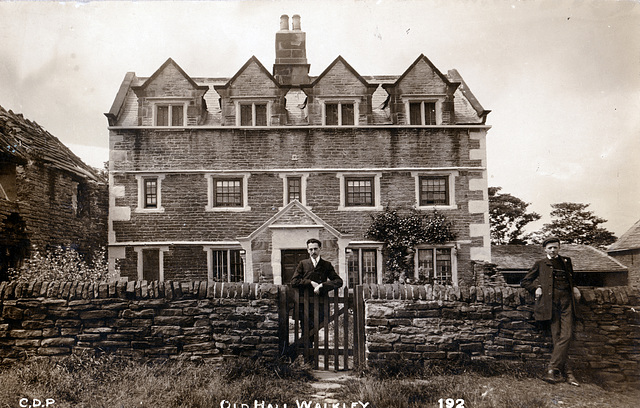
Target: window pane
point(261, 115)
point(246, 115)
point(162, 116)
point(219, 261)
point(151, 264)
point(228, 193)
point(415, 114)
point(425, 264)
point(293, 189)
point(434, 191)
point(236, 267)
point(353, 268)
point(150, 193)
point(369, 269)
point(177, 118)
point(443, 266)
point(348, 113)
point(332, 114)
point(430, 113)
point(359, 192)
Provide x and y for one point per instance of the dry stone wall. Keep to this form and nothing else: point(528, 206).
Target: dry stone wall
point(151, 320)
point(422, 323)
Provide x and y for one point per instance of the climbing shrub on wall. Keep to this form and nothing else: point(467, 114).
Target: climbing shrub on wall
point(401, 234)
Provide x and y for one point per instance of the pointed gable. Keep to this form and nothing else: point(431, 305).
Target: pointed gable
point(255, 89)
point(252, 79)
point(423, 78)
point(422, 95)
point(340, 84)
point(169, 80)
point(339, 78)
point(170, 98)
point(294, 214)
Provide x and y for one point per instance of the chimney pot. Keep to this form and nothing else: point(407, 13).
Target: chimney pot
point(284, 22)
point(296, 22)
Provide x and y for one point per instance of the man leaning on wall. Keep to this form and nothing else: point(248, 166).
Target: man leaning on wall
point(551, 280)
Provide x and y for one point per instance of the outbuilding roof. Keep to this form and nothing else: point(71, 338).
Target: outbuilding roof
point(22, 140)
point(584, 258)
point(629, 240)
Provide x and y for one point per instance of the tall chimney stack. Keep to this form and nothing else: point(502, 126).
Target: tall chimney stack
point(291, 67)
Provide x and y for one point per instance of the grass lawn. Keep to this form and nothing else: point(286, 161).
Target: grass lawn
point(110, 381)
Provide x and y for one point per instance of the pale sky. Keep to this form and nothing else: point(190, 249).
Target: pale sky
point(562, 78)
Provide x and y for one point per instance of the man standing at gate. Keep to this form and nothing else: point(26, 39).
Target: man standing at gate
point(551, 280)
point(315, 272)
point(318, 274)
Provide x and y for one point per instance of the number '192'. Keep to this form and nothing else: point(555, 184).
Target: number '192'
point(450, 403)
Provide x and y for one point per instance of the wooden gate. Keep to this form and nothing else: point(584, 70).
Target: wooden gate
point(328, 330)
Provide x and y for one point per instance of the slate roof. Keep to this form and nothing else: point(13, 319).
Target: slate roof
point(583, 257)
point(629, 240)
point(22, 140)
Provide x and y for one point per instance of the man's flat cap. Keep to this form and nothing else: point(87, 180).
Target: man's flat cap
point(549, 240)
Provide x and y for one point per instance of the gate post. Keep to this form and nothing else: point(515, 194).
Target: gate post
point(358, 327)
point(283, 320)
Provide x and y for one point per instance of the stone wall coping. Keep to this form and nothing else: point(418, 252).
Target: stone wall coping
point(137, 290)
point(503, 295)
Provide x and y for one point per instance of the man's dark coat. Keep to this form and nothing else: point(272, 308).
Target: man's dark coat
point(541, 275)
point(322, 273)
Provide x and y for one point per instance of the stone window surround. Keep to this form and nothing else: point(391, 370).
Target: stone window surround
point(340, 100)
point(172, 101)
point(376, 191)
point(303, 187)
point(359, 245)
point(451, 178)
point(140, 179)
point(454, 259)
point(224, 246)
point(431, 98)
point(252, 100)
point(140, 265)
point(210, 177)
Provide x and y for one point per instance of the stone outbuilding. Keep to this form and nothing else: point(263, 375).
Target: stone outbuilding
point(626, 250)
point(48, 196)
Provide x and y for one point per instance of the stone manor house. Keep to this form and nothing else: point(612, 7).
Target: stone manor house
point(224, 179)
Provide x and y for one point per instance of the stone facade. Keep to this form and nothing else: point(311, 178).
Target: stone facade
point(48, 196)
point(240, 172)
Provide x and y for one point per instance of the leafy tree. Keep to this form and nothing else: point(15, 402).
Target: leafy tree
point(507, 216)
point(401, 234)
point(574, 224)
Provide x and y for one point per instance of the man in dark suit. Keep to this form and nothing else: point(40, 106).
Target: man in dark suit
point(318, 274)
point(315, 272)
point(551, 280)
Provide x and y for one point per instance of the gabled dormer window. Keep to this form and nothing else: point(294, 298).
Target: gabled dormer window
point(169, 114)
point(252, 113)
point(340, 113)
point(424, 111)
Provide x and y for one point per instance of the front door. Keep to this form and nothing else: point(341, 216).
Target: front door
point(289, 261)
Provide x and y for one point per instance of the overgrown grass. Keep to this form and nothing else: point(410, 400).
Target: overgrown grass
point(401, 383)
point(111, 381)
